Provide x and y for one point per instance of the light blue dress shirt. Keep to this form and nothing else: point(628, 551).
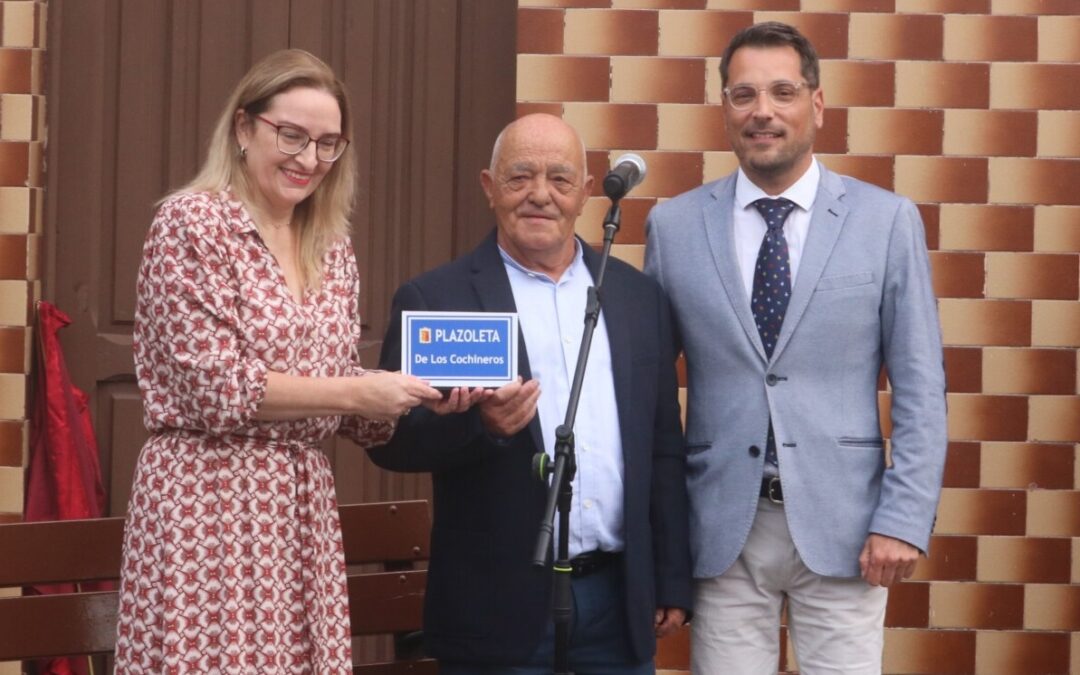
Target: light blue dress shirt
point(552, 317)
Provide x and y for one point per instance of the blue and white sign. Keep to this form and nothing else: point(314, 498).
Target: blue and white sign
point(460, 349)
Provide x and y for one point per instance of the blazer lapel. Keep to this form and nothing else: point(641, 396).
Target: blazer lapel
point(492, 287)
point(825, 225)
point(719, 222)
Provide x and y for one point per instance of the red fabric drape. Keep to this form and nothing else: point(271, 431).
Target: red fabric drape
point(63, 481)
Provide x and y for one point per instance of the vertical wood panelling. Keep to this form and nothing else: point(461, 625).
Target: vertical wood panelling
point(135, 91)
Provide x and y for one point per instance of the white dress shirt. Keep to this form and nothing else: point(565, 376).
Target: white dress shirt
point(552, 316)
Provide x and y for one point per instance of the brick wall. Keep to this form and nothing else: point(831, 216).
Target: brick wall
point(972, 109)
point(22, 134)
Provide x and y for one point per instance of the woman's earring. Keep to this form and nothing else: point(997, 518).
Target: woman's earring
point(243, 152)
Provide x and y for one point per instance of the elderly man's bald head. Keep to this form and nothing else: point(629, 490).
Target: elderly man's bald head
point(536, 123)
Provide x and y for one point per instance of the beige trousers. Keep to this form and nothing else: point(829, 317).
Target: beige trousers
point(836, 624)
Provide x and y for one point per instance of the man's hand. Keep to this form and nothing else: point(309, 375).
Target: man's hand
point(510, 407)
point(668, 620)
point(885, 561)
point(458, 400)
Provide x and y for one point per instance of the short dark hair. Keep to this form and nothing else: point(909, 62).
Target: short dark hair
point(774, 34)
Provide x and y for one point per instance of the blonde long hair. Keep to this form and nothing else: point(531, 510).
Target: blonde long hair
point(324, 216)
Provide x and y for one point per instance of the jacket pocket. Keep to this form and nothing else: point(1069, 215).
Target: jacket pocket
point(696, 447)
point(844, 281)
point(861, 441)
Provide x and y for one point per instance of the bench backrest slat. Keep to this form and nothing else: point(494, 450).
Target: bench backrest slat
point(394, 534)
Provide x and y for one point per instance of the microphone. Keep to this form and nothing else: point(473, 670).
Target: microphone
point(628, 172)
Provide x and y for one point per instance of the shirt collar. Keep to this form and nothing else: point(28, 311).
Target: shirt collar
point(577, 263)
point(803, 192)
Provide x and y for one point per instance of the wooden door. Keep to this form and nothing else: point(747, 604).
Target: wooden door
point(134, 89)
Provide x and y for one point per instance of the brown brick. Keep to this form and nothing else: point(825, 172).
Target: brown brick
point(16, 71)
point(1047, 7)
point(1059, 133)
point(1054, 418)
point(754, 5)
point(11, 442)
point(611, 31)
point(942, 179)
point(991, 38)
point(944, 6)
point(909, 605)
point(1024, 560)
point(658, 4)
point(957, 275)
point(612, 125)
point(540, 31)
point(896, 37)
point(962, 465)
point(525, 108)
point(895, 132)
point(542, 77)
point(849, 6)
point(1033, 275)
point(14, 349)
point(1053, 513)
point(1055, 323)
point(986, 606)
point(827, 32)
point(931, 217)
point(942, 85)
point(950, 558)
point(876, 170)
point(1052, 607)
point(1055, 228)
point(673, 651)
point(1009, 133)
point(986, 322)
point(988, 418)
point(963, 370)
point(1033, 466)
point(14, 164)
point(832, 138)
point(699, 33)
point(1047, 86)
point(563, 3)
point(1029, 371)
point(987, 512)
point(691, 127)
point(858, 83)
point(13, 256)
point(597, 162)
point(1058, 39)
point(637, 79)
point(1034, 181)
point(987, 227)
point(928, 651)
point(1010, 653)
point(632, 220)
point(670, 173)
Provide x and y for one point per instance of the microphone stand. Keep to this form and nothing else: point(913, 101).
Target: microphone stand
point(560, 491)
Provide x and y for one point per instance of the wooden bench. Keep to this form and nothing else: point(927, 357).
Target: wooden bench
point(391, 536)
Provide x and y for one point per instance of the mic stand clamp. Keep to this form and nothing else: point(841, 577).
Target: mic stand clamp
point(560, 490)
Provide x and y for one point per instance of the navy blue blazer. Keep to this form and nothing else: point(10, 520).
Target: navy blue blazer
point(485, 601)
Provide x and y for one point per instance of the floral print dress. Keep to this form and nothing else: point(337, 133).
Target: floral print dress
point(233, 561)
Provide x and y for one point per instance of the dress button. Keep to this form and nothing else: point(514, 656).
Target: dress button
point(754, 451)
point(771, 379)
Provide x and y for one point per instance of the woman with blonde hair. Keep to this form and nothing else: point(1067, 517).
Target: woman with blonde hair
point(246, 334)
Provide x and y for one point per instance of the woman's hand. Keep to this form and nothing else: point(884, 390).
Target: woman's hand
point(459, 400)
point(387, 396)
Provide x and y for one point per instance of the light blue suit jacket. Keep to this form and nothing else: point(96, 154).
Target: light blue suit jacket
point(862, 299)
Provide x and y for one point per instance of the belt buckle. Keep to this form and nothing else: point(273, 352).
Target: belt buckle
point(774, 489)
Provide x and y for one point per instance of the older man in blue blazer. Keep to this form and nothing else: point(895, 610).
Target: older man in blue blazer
point(488, 610)
point(792, 287)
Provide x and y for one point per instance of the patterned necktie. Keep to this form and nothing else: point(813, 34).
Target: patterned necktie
point(772, 286)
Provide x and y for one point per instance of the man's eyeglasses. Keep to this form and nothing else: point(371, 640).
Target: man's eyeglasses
point(292, 141)
point(782, 94)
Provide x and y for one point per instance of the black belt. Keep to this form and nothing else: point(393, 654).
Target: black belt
point(772, 490)
point(591, 561)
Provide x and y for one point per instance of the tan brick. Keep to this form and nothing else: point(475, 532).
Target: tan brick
point(1059, 133)
point(990, 38)
point(1059, 38)
point(1057, 228)
point(610, 31)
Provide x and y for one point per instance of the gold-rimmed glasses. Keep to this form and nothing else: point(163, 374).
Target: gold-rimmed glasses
point(292, 141)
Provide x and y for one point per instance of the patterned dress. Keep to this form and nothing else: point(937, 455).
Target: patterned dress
point(233, 560)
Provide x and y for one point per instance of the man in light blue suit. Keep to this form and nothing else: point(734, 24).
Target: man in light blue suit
point(792, 287)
